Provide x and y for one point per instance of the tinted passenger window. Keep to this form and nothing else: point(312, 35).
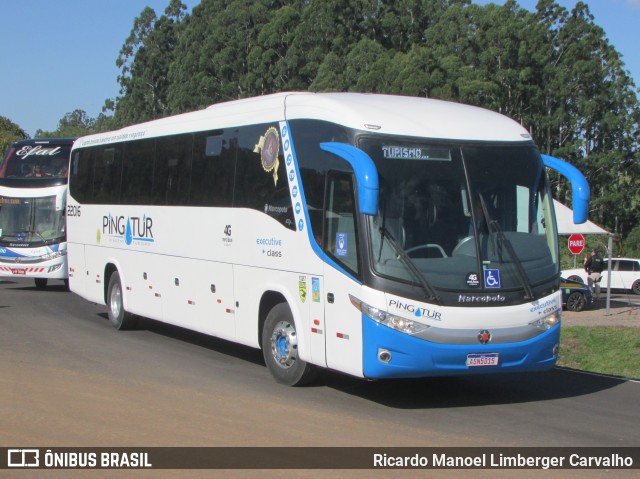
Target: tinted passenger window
point(81, 182)
point(107, 174)
point(261, 176)
point(214, 155)
point(172, 170)
point(626, 266)
point(137, 174)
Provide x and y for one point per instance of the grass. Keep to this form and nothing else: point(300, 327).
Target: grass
point(611, 350)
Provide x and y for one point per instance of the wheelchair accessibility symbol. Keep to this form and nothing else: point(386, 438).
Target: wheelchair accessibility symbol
point(492, 278)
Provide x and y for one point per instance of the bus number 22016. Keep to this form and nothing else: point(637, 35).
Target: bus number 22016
point(73, 210)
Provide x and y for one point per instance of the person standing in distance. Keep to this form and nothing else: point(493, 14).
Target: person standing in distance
point(594, 266)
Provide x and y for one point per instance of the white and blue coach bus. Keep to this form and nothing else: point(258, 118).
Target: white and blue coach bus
point(380, 236)
point(33, 194)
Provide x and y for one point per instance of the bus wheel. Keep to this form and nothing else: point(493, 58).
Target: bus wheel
point(120, 319)
point(41, 283)
point(280, 348)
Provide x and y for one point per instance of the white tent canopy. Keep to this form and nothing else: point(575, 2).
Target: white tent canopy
point(566, 226)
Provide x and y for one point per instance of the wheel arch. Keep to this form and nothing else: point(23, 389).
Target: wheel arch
point(110, 267)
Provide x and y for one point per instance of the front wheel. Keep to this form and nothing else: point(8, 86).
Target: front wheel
point(576, 302)
point(41, 283)
point(120, 319)
point(280, 348)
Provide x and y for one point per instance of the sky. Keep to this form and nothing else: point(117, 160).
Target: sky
point(57, 56)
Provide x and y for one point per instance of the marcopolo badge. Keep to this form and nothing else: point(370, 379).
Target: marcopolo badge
point(269, 147)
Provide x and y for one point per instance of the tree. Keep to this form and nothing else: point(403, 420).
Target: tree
point(553, 70)
point(9, 132)
point(71, 125)
point(144, 60)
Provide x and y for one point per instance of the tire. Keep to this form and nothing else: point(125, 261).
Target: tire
point(575, 279)
point(41, 283)
point(576, 302)
point(280, 349)
point(636, 286)
point(119, 317)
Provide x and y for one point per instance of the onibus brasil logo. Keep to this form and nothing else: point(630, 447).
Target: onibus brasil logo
point(129, 229)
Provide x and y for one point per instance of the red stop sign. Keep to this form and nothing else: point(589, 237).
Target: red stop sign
point(576, 243)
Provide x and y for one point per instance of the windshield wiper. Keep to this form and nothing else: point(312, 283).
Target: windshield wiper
point(494, 227)
point(411, 267)
point(34, 232)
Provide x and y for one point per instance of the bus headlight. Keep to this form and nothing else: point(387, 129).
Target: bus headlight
point(547, 322)
point(398, 323)
point(54, 255)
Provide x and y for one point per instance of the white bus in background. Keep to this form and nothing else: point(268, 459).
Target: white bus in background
point(33, 194)
point(380, 236)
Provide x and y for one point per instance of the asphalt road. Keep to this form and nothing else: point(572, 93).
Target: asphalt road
point(67, 378)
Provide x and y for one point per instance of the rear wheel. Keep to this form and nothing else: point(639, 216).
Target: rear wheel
point(41, 283)
point(576, 302)
point(636, 286)
point(120, 319)
point(280, 348)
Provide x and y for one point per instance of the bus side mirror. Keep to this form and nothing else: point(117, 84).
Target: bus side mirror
point(579, 187)
point(365, 172)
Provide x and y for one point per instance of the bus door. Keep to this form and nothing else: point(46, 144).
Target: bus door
point(343, 322)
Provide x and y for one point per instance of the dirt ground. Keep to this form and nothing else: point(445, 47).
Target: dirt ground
point(624, 310)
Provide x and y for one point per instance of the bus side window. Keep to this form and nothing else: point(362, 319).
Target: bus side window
point(213, 166)
point(341, 233)
point(261, 174)
point(107, 175)
point(82, 175)
point(172, 170)
point(137, 174)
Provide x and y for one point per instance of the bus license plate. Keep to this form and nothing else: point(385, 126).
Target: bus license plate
point(18, 271)
point(482, 359)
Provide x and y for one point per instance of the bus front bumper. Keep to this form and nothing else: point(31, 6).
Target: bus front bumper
point(391, 354)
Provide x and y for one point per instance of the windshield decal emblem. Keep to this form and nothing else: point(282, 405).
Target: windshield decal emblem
point(492, 278)
point(472, 280)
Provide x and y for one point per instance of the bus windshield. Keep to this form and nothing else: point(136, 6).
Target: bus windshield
point(30, 221)
point(29, 161)
point(469, 217)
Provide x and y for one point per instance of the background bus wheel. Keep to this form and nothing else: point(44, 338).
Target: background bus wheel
point(280, 348)
point(41, 283)
point(120, 319)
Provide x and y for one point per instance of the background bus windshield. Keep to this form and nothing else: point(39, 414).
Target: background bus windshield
point(30, 221)
point(36, 161)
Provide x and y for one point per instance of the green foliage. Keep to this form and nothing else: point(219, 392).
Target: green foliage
point(553, 70)
point(9, 132)
point(604, 349)
point(631, 246)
